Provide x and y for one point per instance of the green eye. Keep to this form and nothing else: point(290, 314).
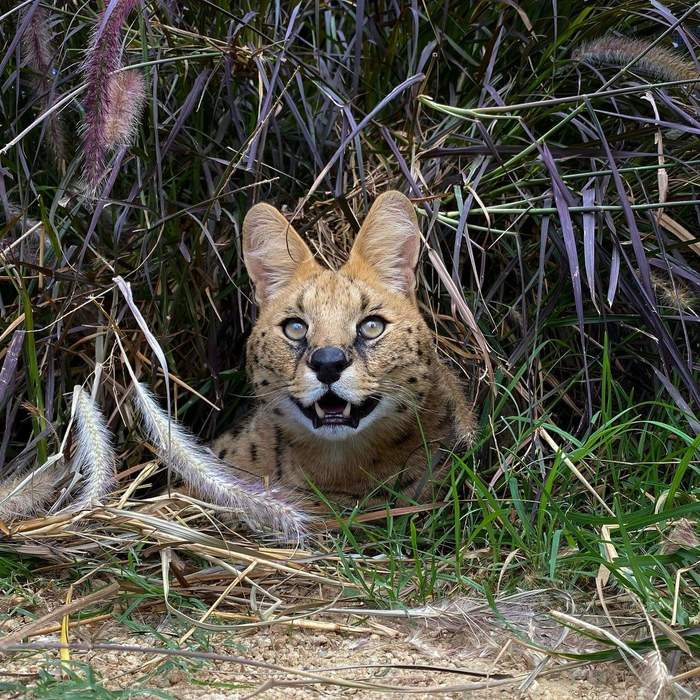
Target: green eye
point(372, 327)
point(295, 329)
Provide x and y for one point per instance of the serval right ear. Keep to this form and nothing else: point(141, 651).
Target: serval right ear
point(388, 243)
point(273, 252)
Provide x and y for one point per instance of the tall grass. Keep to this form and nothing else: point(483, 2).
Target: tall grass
point(559, 198)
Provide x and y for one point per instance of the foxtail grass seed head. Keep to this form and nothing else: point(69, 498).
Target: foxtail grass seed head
point(37, 43)
point(39, 53)
point(94, 455)
point(674, 294)
point(127, 93)
point(30, 499)
point(264, 511)
point(102, 59)
point(659, 62)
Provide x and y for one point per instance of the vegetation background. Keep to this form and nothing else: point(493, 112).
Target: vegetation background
point(559, 201)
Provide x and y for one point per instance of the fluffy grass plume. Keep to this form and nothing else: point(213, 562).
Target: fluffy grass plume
point(22, 501)
point(212, 478)
point(39, 51)
point(94, 455)
point(103, 57)
point(659, 62)
point(126, 95)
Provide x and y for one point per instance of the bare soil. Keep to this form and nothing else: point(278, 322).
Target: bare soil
point(416, 663)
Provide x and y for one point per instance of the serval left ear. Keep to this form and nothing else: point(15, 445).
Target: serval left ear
point(274, 253)
point(388, 243)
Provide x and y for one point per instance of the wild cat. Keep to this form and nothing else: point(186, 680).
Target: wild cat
point(351, 394)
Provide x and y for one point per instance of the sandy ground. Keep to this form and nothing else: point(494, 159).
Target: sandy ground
point(360, 654)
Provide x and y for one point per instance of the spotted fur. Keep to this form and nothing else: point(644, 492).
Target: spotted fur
point(421, 413)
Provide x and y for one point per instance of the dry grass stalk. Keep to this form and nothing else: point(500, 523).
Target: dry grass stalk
point(69, 608)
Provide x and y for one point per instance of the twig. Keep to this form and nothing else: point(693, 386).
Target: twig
point(35, 627)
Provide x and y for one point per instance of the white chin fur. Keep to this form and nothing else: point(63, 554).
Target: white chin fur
point(336, 432)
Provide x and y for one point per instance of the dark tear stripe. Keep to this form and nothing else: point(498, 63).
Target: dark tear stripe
point(253, 452)
point(279, 449)
point(299, 353)
point(361, 349)
point(223, 453)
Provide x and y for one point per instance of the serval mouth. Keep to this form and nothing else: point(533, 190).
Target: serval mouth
point(331, 409)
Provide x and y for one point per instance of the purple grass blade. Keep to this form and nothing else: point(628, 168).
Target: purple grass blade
point(681, 271)
point(186, 109)
point(359, 32)
point(679, 401)
point(116, 165)
point(589, 218)
point(9, 365)
point(563, 198)
point(672, 21)
point(635, 236)
point(614, 280)
point(668, 349)
point(269, 95)
point(24, 23)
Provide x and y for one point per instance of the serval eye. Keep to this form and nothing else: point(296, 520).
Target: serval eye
point(295, 329)
point(372, 327)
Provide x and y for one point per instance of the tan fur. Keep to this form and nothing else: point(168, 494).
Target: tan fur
point(424, 413)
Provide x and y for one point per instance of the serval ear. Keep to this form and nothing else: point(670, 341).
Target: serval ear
point(273, 252)
point(388, 243)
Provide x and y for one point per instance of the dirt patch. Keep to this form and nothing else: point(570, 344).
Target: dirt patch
point(423, 663)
